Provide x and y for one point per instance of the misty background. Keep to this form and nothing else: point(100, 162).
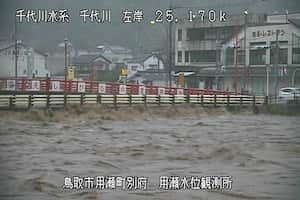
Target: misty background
point(141, 36)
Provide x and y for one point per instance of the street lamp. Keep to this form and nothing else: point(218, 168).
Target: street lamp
point(245, 41)
point(16, 49)
point(66, 62)
point(267, 84)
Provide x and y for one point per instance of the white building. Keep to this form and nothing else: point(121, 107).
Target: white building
point(145, 63)
point(147, 69)
point(30, 62)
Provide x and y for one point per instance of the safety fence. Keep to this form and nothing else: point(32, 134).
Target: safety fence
point(8, 101)
point(113, 88)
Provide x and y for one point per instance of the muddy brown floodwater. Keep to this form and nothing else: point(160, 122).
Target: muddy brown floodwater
point(260, 152)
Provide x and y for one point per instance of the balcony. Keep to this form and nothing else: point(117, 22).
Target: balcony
point(198, 45)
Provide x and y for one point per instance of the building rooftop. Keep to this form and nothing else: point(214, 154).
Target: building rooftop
point(88, 58)
point(6, 45)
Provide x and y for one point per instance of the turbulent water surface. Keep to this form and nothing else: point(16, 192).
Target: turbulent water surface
point(260, 152)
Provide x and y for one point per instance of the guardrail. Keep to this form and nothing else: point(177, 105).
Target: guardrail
point(12, 101)
point(60, 86)
point(287, 100)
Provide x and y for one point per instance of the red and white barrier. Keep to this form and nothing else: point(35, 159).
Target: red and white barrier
point(46, 85)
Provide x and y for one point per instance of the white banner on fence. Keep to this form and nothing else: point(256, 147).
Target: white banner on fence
point(180, 91)
point(122, 89)
point(102, 88)
point(35, 85)
point(142, 90)
point(81, 87)
point(11, 85)
point(55, 86)
point(161, 91)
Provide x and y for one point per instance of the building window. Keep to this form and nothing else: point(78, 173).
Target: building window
point(282, 56)
point(296, 56)
point(179, 56)
point(211, 34)
point(153, 66)
point(255, 45)
point(195, 34)
point(203, 56)
point(229, 56)
point(179, 35)
point(134, 68)
point(186, 57)
point(258, 56)
point(241, 57)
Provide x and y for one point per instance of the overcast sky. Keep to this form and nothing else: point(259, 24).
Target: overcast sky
point(46, 36)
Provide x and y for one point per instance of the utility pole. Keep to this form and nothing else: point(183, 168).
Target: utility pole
point(170, 48)
point(235, 62)
point(16, 49)
point(216, 62)
point(218, 47)
point(276, 63)
point(268, 77)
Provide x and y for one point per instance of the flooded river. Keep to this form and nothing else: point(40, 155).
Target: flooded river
point(260, 152)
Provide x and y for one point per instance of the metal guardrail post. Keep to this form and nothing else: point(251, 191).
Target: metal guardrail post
point(29, 101)
point(81, 99)
point(65, 100)
point(266, 100)
point(241, 101)
point(158, 97)
point(145, 100)
point(11, 104)
point(130, 100)
point(202, 100)
point(215, 100)
point(254, 101)
point(48, 101)
point(99, 99)
point(188, 98)
point(115, 101)
point(228, 100)
point(173, 99)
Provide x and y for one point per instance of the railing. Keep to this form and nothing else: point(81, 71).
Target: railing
point(295, 99)
point(9, 101)
point(95, 87)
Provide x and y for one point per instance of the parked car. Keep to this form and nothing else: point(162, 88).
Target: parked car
point(289, 93)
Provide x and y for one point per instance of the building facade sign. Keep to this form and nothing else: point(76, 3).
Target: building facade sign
point(267, 33)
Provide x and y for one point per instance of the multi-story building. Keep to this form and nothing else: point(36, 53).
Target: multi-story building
point(238, 53)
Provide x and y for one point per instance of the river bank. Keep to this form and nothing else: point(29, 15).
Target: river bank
point(100, 112)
